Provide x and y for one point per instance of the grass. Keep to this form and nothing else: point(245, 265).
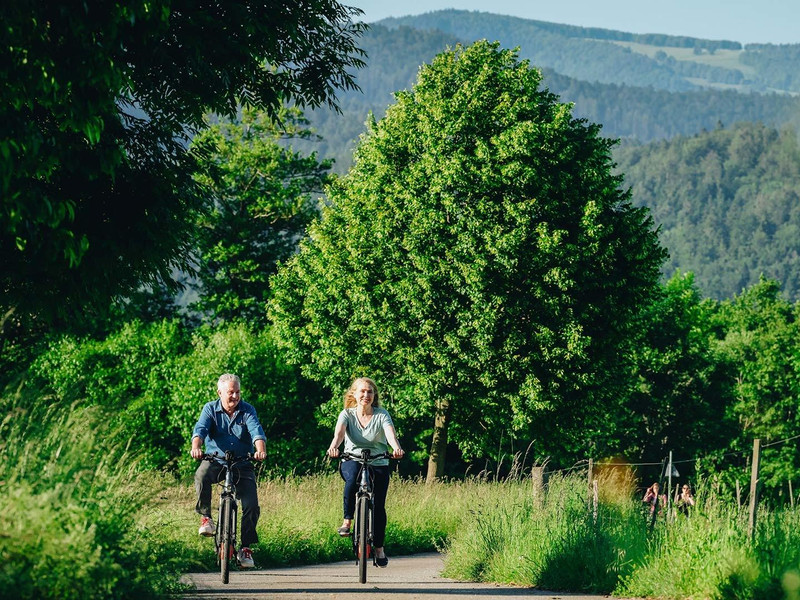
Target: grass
point(724, 58)
point(299, 517)
point(84, 520)
point(69, 489)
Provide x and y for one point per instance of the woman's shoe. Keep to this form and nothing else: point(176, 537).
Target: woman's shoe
point(382, 561)
point(344, 531)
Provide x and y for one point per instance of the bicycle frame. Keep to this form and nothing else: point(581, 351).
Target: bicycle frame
point(225, 535)
point(363, 534)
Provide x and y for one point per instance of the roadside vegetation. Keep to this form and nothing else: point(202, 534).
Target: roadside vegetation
point(71, 490)
point(85, 519)
point(515, 532)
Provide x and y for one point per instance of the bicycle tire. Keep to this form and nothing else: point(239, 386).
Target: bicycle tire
point(226, 540)
point(362, 529)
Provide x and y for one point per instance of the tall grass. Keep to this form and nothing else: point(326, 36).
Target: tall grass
point(300, 515)
point(709, 554)
point(70, 491)
point(83, 520)
point(551, 540)
point(557, 541)
point(514, 531)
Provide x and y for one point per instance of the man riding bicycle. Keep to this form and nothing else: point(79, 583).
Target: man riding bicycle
point(229, 425)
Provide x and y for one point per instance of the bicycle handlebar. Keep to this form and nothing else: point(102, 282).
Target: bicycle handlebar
point(360, 458)
point(227, 458)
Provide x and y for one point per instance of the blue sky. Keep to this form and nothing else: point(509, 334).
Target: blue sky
point(746, 21)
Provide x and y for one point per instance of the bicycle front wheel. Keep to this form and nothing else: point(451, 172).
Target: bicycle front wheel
point(362, 532)
point(226, 538)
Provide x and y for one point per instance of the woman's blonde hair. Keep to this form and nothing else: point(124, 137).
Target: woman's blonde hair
point(350, 398)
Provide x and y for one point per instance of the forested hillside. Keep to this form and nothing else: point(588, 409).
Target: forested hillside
point(624, 111)
point(728, 203)
point(660, 61)
point(640, 89)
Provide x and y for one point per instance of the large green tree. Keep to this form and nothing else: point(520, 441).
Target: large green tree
point(680, 390)
point(758, 338)
point(98, 102)
point(480, 259)
point(262, 203)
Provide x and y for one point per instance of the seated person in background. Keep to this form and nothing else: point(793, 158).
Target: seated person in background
point(652, 497)
point(685, 500)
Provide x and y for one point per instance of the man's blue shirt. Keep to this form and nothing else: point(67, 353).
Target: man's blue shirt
point(221, 433)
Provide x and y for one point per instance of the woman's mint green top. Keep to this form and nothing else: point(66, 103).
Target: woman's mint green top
point(373, 436)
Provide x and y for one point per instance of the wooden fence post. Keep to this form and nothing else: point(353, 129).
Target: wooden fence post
point(668, 507)
point(754, 485)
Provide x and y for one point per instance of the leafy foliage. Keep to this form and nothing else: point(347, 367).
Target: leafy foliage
point(680, 388)
point(153, 379)
point(760, 343)
point(261, 206)
point(98, 104)
point(479, 259)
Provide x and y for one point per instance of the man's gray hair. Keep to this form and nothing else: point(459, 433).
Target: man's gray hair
point(226, 377)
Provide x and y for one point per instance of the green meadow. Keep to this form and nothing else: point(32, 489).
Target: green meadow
point(83, 519)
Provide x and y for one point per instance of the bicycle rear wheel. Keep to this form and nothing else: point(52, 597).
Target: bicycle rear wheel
point(362, 532)
point(226, 538)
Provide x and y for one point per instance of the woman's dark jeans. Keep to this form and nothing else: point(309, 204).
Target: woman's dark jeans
point(380, 485)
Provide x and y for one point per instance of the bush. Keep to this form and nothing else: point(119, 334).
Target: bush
point(70, 490)
point(154, 378)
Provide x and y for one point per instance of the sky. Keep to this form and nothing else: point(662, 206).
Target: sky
point(745, 21)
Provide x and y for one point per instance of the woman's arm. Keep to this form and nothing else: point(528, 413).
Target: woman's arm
point(391, 438)
point(338, 438)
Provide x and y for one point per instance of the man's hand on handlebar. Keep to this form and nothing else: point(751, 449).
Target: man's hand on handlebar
point(198, 454)
point(398, 453)
point(333, 452)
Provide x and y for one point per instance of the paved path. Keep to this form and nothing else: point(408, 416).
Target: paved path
point(406, 578)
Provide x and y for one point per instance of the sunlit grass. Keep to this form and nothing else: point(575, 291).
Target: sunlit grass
point(299, 518)
point(69, 490)
point(83, 519)
point(515, 532)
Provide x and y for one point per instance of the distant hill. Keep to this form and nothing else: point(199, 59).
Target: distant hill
point(727, 202)
point(666, 62)
point(625, 111)
point(640, 88)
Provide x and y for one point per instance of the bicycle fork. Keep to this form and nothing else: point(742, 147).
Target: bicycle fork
point(232, 524)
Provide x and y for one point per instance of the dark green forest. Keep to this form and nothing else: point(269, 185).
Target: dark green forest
point(727, 202)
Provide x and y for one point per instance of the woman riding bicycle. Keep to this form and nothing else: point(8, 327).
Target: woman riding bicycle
point(363, 424)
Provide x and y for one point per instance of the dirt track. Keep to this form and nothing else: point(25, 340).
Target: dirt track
point(407, 578)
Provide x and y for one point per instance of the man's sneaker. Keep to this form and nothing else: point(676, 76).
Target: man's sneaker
point(245, 558)
point(206, 527)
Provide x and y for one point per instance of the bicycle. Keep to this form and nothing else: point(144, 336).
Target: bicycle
point(225, 534)
point(364, 516)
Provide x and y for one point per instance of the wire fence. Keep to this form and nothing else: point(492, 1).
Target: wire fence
point(667, 471)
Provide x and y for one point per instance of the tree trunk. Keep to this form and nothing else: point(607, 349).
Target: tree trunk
point(438, 453)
